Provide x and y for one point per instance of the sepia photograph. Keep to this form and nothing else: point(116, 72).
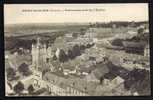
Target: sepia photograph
point(77, 49)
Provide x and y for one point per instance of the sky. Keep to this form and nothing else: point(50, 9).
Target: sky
point(58, 13)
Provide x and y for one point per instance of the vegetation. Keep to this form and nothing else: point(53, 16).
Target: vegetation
point(138, 81)
point(82, 31)
point(117, 42)
point(117, 24)
point(76, 50)
point(54, 57)
point(75, 35)
point(24, 69)
point(140, 31)
point(10, 73)
point(31, 89)
point(62, 56)
point(18, 88)
point(72, 53)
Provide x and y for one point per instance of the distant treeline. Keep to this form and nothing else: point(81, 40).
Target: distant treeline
point(117, 24)
point(14, 43)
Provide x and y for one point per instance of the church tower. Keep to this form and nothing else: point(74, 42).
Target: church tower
point(39, 54)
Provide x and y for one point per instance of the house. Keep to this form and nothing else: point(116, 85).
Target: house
point(108, 86)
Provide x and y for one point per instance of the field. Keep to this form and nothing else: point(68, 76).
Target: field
point(23, 34)
point(27, 29)
point(110, 32)
point(16, 33)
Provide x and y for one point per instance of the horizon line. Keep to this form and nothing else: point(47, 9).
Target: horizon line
point(74, 22)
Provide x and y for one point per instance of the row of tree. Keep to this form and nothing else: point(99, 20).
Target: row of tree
point(117, 24)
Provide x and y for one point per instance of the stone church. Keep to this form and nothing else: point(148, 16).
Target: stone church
point(41, 54)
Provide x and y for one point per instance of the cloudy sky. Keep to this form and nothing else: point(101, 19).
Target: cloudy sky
point(58, 13)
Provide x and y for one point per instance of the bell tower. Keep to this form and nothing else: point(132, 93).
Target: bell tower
point(39, 56)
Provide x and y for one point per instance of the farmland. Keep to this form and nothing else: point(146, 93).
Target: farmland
point(27, 29)
point(16, 33)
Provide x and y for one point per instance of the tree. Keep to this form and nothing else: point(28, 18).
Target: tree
point(88, 45)
point(54, 57)
point(10, 73)
point(62, 56)
point(117, 42)
point(76, 50)
point(70, 54)
point(18, 88)
point(82, 31)
point(82, 47)
point(75, 35)
point(90, 25)
point(31, 89)
point(24, 69)
point(101, 79)
point(140, 31)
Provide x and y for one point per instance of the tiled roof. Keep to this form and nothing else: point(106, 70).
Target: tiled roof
point(78, 83)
